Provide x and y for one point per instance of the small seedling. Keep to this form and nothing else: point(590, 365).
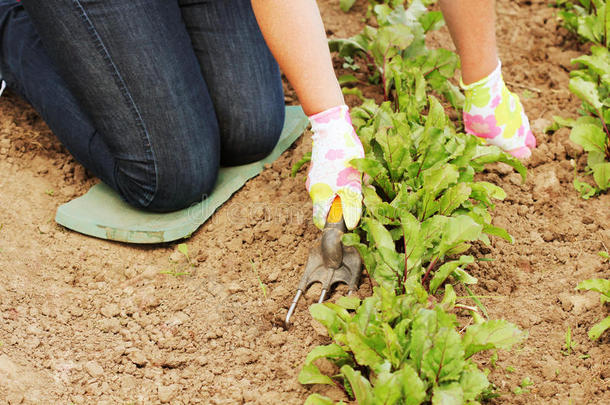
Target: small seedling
point(493, 359)
point(262, 285)
point(177, 269)
point(183, 248)
point(523, 387)
point(569, 345)
point(350, 64)
point(175, 273)
point(50, 193)
point(601, 286)
point(527, 94)
point(510, 369)
point(602, 254)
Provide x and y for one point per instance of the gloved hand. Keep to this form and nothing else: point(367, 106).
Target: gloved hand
point(494, 113)
point(335, 143)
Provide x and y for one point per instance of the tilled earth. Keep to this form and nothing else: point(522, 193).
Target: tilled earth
point(89, 321)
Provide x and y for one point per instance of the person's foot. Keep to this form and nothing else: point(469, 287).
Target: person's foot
point(495, 114)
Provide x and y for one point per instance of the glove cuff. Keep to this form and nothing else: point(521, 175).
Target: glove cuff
point(340, 112)
point(493, 77)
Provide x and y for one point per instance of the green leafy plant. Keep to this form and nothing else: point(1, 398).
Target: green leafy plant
point(523, 388)
point(178, 269)
point(590, 19)
point(591, 84)
point(423, 209)
point(601, 286)
point(403, 349)
point(261, 285)
point(422, 204)
point(569, 345)
point(397, 47)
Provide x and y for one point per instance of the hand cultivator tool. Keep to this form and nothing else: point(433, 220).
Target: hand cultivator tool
point(330, 262)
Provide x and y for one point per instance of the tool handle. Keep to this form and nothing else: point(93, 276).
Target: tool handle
point(335, 214)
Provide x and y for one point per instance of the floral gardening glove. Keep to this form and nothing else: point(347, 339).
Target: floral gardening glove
point(335, 143)
point(494, 113)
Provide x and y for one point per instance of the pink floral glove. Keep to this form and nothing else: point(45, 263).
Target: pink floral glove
point(335, 143)
point(494, 113)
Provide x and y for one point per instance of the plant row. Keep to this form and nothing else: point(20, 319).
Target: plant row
point(590, 20)
point(423, 209)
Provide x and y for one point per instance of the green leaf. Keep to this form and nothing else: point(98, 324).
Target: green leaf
point(586, 91)
point(384, 243)
point(183, 248)
point(491, 154)
point(327, 317)
point(599, 285)
point(438, 179)
point(601, 175)
point(449, 299)
point(422, 332)
point(360, 385)
point(360, 345)
point(564, 122)
point(473, 382)
point(446, 270)
point(495, 334)
point(496, 231)
point(310, 374)
point(378, 173)
point(317, 399)
point(387, 389)
point(591, 137)
point(585, 189)
point(332, 351)
point(432, 21)
point(458, 230)
point(598, 329)
point(349, 302)
point(444, 361)
point(346, 79)
point(453, 198)
point(298, 165)
point(598, 61)
point(413, 388)
point(346, 5)
point(448, 394)
point(389, 41)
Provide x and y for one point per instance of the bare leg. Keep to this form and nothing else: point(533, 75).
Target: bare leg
point(472, 24)
point(295, 34)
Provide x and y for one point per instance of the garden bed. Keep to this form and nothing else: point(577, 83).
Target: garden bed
point(88, 321)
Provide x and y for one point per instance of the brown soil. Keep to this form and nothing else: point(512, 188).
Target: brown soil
point(91, 321)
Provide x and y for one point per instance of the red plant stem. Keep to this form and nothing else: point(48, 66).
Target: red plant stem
point(429, 269)
point(404, 275)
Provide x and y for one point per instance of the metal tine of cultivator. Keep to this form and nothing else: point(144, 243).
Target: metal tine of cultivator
point(330, 262)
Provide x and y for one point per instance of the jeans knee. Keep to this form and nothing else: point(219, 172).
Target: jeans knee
point(253, 137)
point(183, 186)
point(171, 183)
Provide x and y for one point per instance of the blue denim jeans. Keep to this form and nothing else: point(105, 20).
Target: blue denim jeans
point(149, 95)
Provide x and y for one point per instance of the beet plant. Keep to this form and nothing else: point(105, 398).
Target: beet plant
point(423, 208)
point(601, 286)
point(591, 84)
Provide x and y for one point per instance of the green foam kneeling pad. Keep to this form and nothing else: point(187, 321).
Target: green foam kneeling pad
point(103, 214)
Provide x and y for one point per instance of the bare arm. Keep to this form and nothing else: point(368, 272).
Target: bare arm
point(295, 34)
point(476, 40)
